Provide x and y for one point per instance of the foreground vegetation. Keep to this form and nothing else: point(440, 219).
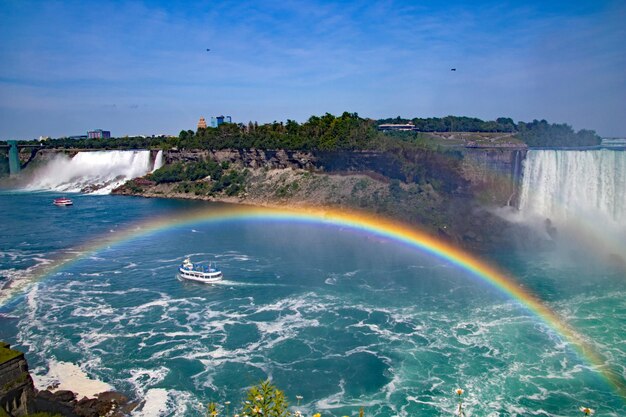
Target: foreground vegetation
point(205, 177)
point(265, 400)
point(345, 132)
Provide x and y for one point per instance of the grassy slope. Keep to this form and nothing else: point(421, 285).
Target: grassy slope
point(7, 354)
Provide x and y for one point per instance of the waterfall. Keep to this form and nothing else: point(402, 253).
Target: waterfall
point(568, 186)
point(91, 172)
point(158, 160)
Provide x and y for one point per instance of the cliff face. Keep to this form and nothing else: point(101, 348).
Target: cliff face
point(249, 158)
point(16, 385)
point(494, 173)
point(18, 396)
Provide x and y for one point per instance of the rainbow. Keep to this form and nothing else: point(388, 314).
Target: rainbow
point(359, 222)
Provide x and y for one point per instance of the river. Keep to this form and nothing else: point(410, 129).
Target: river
point(339, 316)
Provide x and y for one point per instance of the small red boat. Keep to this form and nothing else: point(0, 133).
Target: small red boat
point(62, 202)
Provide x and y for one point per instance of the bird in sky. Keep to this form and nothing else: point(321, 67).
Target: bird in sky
point(207, 49)
point(452, 69)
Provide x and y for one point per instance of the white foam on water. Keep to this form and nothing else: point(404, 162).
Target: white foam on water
point(144, 379)
point(19, 280)
point(94, 312)
point(155, 403)
point(68, 376)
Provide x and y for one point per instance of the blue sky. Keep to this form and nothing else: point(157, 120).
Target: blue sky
point(142, 67)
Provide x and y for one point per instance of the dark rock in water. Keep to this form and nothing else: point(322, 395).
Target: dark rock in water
point(550, 229)
point(65, 396)
point(46, 401)
point(90, 407)
point(112, 396)
point(65, 403)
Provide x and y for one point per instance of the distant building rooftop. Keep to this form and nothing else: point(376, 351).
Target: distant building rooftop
point(99, 134)
point(396, 127)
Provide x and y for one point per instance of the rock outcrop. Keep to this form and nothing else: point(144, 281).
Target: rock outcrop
point(494, 173)
point(18, 396)
point(16, 386)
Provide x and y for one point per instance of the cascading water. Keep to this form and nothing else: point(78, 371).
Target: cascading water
point(566, 186)
point(578, 198)
point(92, 172)
point(158, 161)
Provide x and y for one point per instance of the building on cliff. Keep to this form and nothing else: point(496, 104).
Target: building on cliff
point(99, 134)
point(397, 127)
point(218, 120)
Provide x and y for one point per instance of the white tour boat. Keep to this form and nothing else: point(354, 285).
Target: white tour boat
point(62, 202)
point(198, 272)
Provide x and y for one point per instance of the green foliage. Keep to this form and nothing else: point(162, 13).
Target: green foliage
point(211, 410)
point(543, 134)
point(189, 176)
point(534, 134)
point(329, 133)
point(7, 354)
point(135, 142)
point(133, 186)
point(266, 400)
point(191, 171)
point(168, 173)
point(456, 124)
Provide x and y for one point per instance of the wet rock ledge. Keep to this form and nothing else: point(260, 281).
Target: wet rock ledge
point(19, 397)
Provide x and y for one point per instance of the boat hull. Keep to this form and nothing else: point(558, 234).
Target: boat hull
point(62, 203)
point(197, 276)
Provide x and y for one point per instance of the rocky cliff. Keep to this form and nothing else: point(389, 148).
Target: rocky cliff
point(16, 386)
point(18, 396)
point(493, 174)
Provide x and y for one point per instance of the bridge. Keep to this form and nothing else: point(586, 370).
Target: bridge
point(14, 156)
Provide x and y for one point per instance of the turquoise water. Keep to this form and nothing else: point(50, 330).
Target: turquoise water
point(342, 318)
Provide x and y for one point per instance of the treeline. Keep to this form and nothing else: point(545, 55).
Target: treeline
point(127, 142)
point(345, 132)
point(456, 124)
point(328, 132)
point(538, 133)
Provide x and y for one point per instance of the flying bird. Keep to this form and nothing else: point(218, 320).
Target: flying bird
point(207, 49)
point(452, 69)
